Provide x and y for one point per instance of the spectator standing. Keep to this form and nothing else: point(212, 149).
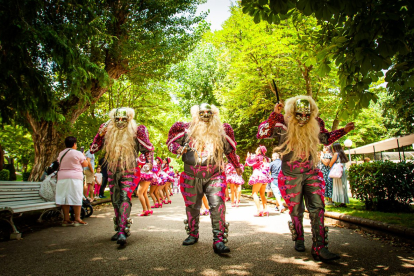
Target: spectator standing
point(275, 167)
point(69, 185)
point(340, 185)
point(326, 158)
point(98, 182)
point(104, 171)
point(89, 175)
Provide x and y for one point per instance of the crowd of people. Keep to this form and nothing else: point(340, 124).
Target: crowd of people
point(207, 149)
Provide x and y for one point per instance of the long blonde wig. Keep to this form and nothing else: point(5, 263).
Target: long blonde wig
point(207, 137)
point(120, 144)
point(303, 141)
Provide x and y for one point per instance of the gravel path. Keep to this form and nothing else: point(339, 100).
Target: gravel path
point(259, 246)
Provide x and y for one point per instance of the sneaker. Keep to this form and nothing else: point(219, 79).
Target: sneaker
point(102, 196)
point(276, 209)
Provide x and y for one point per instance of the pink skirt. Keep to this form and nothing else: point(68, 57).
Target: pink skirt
point(259, 177)
point(235, 179)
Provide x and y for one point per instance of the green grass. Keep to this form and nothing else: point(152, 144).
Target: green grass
point(19, 176)
point(357, 209)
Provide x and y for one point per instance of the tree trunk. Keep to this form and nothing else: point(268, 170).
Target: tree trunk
point(305, 70)
point(47, 143)
point(335, 122)
point(48, 137)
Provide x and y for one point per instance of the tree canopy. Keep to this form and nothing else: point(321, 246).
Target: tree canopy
point(362, 38)
point(59, 57)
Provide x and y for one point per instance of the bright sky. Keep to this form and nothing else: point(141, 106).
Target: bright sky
point(219, 12)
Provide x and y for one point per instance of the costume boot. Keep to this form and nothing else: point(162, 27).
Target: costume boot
point(320, 250)
point(191, 225)
point(296, 228)
point(220, 228)
point(124, 222)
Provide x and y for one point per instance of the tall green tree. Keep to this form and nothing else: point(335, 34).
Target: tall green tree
point(59, 57)
point(257, 54)
point(362, 38)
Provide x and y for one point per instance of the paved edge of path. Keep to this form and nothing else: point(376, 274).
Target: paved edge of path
point(400, 231)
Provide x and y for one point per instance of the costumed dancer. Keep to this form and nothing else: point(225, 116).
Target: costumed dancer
point(171, 174)
point(259, 178)
point(235, 181)
point(300, 131)
point(146, 176)
point(166, 179)
point(155, 183)
point(202, 143)
point(122, 139)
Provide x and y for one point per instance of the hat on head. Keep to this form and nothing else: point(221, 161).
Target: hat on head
point(263, 149)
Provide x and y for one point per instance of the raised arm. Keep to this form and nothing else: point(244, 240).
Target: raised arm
point(145, 146)
point(327, 138)
point(99, 139)
point(176, 136)
point(231, 150)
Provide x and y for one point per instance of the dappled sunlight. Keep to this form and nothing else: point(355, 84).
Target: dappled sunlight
point(407, 262)
point(299, 262)
point(56, 251)
point(259, 245)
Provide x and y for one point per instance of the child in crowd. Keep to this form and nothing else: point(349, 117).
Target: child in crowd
point(176, 188)
point(98, 182)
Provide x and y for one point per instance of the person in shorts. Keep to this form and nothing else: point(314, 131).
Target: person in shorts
point(89, 175)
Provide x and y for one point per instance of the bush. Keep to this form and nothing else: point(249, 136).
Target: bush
point(246, 175)
point(383, 185)
point(4, 175)
point(12, 171)
point(25, 176)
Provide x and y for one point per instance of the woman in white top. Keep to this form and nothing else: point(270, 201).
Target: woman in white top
point(340, 185)
point(69, 188)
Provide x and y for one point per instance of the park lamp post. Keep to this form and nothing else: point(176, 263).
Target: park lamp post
point(348, 144)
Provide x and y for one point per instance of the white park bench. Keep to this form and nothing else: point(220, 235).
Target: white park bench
point(17, 197)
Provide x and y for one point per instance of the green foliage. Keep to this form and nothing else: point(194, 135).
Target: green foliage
point(4, 175)
point(362, 38)
point(17, 143)
point(193, 80)
point(383, 186)
point(25, 175)
point(255, 54)
point(59, 57)
point(60, 54)
point(153, 108)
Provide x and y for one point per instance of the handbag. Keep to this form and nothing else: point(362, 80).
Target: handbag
point(336, 171)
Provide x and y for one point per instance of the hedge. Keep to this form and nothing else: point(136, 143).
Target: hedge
point(25, 176)
point(383, 185)
point(4, 175)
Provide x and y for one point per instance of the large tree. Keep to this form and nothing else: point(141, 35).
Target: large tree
point(256, 54)
point(59, 57)
point(362, 38)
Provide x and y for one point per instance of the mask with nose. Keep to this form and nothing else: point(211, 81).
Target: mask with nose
point(121, 118)
point(302, 111)
point(205, 113)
